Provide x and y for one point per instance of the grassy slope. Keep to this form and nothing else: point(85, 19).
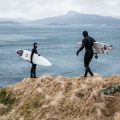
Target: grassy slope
point(60, 98)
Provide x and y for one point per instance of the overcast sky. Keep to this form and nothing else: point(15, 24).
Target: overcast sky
point(35, 9)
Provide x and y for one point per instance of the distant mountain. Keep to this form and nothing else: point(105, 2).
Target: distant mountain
point(8, 22)
point(73, 17)
point(12, 20)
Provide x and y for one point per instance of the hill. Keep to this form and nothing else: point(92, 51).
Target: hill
point(9, 22)
point(12, 20)
point(62, 98)
point(73, 17)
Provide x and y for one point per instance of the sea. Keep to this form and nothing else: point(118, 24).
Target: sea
point(57, 43)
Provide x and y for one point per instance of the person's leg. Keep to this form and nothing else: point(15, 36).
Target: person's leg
point(89, 70)
point(85, 65)
point(87, 60)
point(86, 72)
point(34, 70)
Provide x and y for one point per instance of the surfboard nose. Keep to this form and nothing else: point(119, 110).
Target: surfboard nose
point(19, 52)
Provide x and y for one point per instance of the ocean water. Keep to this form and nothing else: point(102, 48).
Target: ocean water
point(58, 43)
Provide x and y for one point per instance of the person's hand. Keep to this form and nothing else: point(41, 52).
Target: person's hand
point(31, 62)
point(77, 53)
point(96, 56)
point(38, 54)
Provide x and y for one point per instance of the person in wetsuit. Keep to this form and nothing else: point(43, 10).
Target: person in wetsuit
point(87, 43)
point(33, 68)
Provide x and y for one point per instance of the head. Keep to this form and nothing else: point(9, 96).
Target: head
point(35, 45)
point(85, 33)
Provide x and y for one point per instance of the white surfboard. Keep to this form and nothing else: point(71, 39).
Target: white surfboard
point(100, 48)
point(39, 60)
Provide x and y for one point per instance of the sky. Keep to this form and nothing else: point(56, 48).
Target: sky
point(37, 9)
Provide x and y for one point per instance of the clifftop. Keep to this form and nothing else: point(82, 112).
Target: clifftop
point(61, 98)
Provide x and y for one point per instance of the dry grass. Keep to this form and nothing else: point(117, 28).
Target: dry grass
point(61, 98)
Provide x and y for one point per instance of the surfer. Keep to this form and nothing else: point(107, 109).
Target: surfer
point(87, 43)
point(33, 68)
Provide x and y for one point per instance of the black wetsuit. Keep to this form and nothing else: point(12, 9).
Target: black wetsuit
point(33, 68)
point(87, 42)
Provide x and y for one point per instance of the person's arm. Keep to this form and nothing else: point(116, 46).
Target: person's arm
point(37, 53)
point(81, 48)
point(94, 40)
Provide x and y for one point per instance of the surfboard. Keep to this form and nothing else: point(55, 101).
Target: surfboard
point(39, 60)
point(100, 48)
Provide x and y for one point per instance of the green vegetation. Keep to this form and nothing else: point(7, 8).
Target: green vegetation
point(6, 98)
point(111, 89)
point(31, 104)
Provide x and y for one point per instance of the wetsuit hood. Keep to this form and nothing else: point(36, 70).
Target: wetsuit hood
point(85, 33)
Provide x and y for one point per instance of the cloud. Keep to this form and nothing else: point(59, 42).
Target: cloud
point(34, 9)
point(102, 7)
